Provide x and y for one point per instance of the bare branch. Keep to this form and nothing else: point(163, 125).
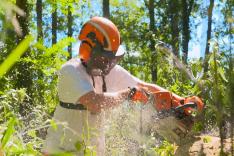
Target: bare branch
point(10, 11)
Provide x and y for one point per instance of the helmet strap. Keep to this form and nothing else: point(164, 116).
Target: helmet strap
point(93, 81)
point(104, 89)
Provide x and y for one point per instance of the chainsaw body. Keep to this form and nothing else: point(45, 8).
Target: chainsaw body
point(175, 115)
point(164, 101)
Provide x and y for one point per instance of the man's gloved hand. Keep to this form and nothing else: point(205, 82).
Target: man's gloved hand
point(166, 102)
point(138, 94)
point(199, 105)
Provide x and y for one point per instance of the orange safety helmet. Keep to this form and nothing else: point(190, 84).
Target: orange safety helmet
point(105, 32)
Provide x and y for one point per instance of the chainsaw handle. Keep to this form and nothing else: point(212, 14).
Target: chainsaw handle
point(187, 105)
point(132, 92)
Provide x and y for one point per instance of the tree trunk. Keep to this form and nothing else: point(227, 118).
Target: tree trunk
point(152, 42)
point(23, 77)
point(231, 75)
point(39, 20)
point(174, 19)
point(231, 81)
point(23, 69)
point(23, 21)
point(39, 73)
point(69, 34)
point(106, 8)
point(54, 23)
point(210, 10)
point(186, 10)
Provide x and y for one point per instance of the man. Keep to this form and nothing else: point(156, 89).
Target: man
point(90, 85)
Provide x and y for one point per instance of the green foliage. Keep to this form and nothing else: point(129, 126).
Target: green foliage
point(79, 145)
point(166, 149)
point(8, 132)
point(89, 151)
point(216, 86)
point(207, 139)
point(15, 55)
point(18, 137)
point(25, 118)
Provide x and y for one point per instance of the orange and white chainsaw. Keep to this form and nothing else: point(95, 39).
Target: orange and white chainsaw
point(175, 115)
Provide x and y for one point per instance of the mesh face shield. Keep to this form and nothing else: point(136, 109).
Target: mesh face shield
point(101, 61)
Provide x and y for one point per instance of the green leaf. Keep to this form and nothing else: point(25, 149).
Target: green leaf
point(79, 145)
point(15, 55)
point(221, 73)
point(207, 139)
point(53, 124)
point(89, 151)
point(32, 133)
point(114, 3)
point(8, 132)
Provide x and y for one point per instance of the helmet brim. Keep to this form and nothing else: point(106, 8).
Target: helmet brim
point(120, 51)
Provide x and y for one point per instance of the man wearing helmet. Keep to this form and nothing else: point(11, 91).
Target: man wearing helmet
point(89, 85)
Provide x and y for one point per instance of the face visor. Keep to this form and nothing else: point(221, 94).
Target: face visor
point(102, 61)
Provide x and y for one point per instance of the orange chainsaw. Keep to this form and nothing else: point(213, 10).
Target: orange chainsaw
point(175, 115)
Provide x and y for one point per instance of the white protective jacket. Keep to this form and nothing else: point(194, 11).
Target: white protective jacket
point(81, 126)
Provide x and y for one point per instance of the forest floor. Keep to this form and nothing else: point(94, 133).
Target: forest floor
point(204, 146)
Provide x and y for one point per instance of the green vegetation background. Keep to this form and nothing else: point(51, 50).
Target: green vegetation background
point(29, 62)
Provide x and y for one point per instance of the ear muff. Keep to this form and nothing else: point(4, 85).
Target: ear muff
point(85, 50)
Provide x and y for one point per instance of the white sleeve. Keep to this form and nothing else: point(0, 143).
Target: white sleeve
point(125, 79)
point(72, 85)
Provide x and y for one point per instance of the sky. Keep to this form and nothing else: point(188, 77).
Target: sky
point(198, 35)
point(197, 43)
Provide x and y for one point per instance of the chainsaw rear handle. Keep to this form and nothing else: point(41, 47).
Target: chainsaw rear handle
point(187, 105)
point(131, 93)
